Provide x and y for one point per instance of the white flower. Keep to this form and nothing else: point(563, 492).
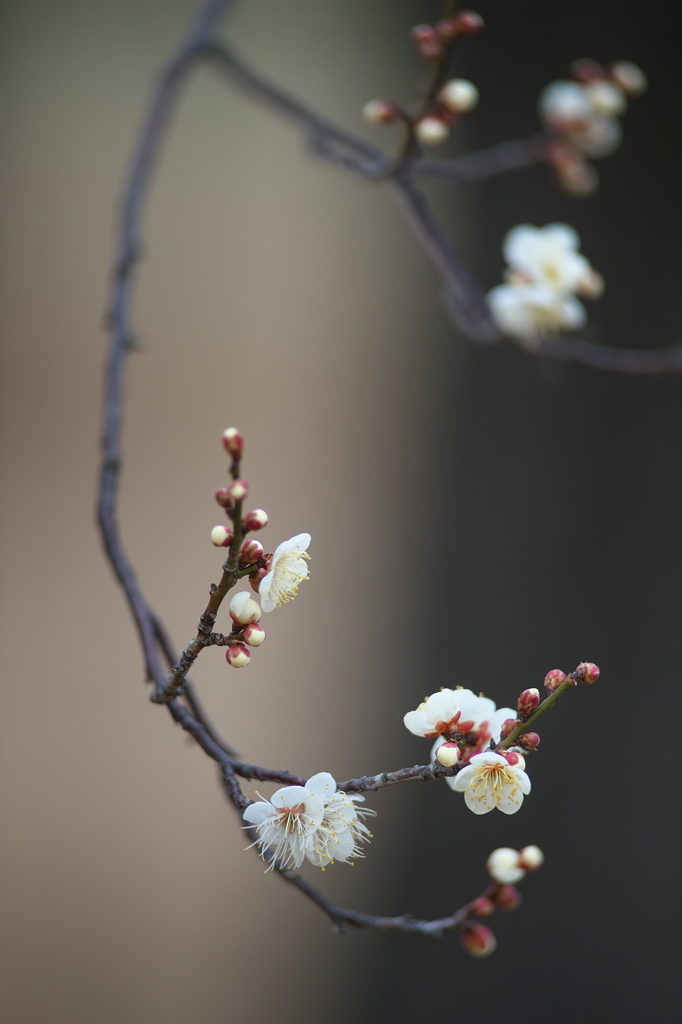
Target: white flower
point(504, 866)
point(546, 256)
point(287, 570)
point(583, 114)
point(490, 781)
point(447, 711)
point(286, 823)
point(312, 821)
point(563, 104)
point(529, 311)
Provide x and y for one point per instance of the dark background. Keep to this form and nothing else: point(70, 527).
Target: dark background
point(282, 297)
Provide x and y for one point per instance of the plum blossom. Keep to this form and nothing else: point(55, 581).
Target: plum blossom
point(583, 114)
point(547, 256)
point(489, 781)
point(312, 821)
point(529, 311)
point(286, 571)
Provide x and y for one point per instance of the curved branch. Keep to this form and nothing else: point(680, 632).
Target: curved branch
point(604, 357)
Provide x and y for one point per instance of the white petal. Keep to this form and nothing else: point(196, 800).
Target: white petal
point(524, 781)
point(480, 802)
point(564, 235)
point(462, 779)
point(257, 813)
point(323, 784)
point(289, 796)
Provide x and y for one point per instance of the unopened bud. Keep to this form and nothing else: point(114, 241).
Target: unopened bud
point(447, 754)
point(243, 608)
point(431, 131)
point(380, 112)
point(591, 286)
point(251, 551)
point(528, 702)
point(504, 866)
point(256, 577)
point(531, 858)
point(233, 442)
point(468, 23)
point(253, 635)
point(587, 672)
point(459, 95)
point(256, 519)
point(482, 907)
point(513, 758)
point(507, 898)
point(629, 77)
point(238, 656)
point(222, 496)
point(479, 940)
point(586, 70)
point(508, 727)
point(447, 28)
point(427, 41)
point(238, 490)
point(221, 536)
point(606, 98)
point(529, 740)
point(554, 679)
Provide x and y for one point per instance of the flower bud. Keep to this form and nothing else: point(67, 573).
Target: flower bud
point(238, 656)
point(256, 519)
point(514, 759)
point(459, 95)
point(507, 898)
point(531, 858)
point(255, 578)
point(508, 726)
point(528, 702)
point(233, 442)
point(478, 940)
point(447, 754)
point(606, 98)
point(253, 635)
point(221, 536)
point(554, 679)
point(380, 112)
point(529, 740)
point(482, 907)
point(574, 174)
point(426, 40)
point(431, 131)
point(629, 77)
point(591, 285)
point(222, 496)
point(251, 551)
point(468, 23)
point(238, 490)
point(587, 672)
point(586, 70)
point(447, 28)
point(503, 866)
point(243, 608)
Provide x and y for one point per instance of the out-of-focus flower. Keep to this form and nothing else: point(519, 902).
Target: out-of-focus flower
point(571, 110)
point(490, 781)
point(547, 256)
point(529, 311)
point(431, 131)
point(478, 940)
point(285, 572)
point(458, 95)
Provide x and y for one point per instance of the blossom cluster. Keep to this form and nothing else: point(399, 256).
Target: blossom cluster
point(582, 118)
point(462, 725)
point(545, 274)
point(274, 577)
point(314, 822)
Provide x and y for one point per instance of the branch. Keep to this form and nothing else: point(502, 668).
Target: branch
point(487, 163)
point(603, 357)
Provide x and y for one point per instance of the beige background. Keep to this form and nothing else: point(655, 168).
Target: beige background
point(270, 298)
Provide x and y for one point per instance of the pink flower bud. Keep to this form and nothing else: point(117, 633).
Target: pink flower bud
point(238, 490)
point(380, 112)
point(508, 726)
point(629, 77)
point(507, 897)
point(426, 40)
point(587, 672)
point(256, 519)
point(529, 740)
point(233, 442)
point(478, 940)
point(251, 551)
point(447, 754)
point(243, 609)
point(221, 536)
point(253, 635)
point(222, 496)
point(531, 858)
point(554, 679)
point(482, 907)
point(514, 759)
point(586, 70)
point(238, 656)
point(447, 28)
point(528, 702)
point(468, 23)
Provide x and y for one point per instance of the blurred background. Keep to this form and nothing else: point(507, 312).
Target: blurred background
point(478, 518)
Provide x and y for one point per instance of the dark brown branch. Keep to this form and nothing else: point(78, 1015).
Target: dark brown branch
point(487, 163)
point(603, 357)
